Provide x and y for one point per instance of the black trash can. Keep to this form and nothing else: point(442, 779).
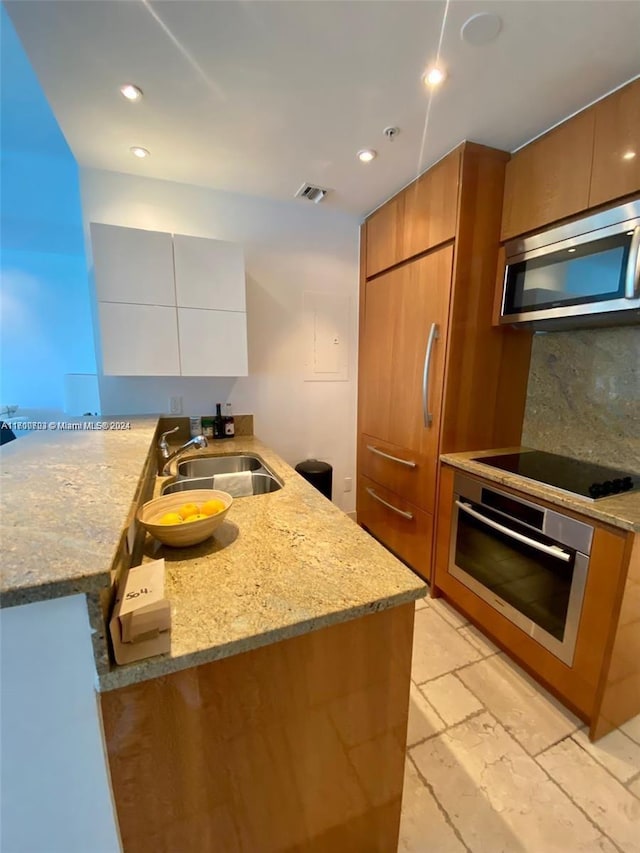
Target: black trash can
point(319, 474)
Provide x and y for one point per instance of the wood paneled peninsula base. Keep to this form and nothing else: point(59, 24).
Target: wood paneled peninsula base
point(294, 746)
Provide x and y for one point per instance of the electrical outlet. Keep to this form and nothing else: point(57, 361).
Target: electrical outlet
point(347, 484)
point(175, 405)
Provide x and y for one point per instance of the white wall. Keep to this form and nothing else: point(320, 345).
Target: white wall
point(55, 788)
point(290, 248)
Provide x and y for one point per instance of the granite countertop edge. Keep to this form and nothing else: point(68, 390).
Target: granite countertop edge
point(162, 665)
point(621, 511)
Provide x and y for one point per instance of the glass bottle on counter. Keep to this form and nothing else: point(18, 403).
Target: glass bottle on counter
point(229, 423)
point(218, 422)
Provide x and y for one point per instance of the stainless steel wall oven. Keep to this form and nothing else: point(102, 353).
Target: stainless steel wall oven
point(528, 562)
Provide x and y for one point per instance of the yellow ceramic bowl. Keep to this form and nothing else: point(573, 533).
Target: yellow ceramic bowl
point(187, 533)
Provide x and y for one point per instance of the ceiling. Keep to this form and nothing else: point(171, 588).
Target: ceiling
point(258, 97)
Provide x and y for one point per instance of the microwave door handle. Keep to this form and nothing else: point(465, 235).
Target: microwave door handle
point(632, 278)
point(433, 335)
point(552, 550)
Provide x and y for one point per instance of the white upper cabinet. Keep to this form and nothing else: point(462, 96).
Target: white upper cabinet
point(212, 343)
point(169, 305)
point(209, 274)
point(133, 266)
point(139, 340)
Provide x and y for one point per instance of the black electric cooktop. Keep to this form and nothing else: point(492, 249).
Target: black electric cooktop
point(570, 475)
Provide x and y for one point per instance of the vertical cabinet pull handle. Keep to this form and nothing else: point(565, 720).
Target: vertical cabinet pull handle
point(401, 512)
point(433, 336)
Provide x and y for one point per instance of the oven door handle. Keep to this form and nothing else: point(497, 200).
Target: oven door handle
point(552, 550)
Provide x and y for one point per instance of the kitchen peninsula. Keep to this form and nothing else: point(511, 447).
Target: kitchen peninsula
point(279, 718)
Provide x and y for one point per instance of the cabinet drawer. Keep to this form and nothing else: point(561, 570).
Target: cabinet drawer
point(398, 524)
point(405, 472)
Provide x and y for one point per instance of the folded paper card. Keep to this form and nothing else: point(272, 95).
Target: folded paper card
point(140, 625)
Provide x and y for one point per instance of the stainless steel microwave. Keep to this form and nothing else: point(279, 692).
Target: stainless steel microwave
point(585, 273)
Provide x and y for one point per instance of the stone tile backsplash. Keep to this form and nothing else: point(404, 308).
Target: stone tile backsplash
point(583, 396)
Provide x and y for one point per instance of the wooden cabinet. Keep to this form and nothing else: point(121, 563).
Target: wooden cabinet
point(617, 133)
point(407, 415)
point(169, 305)
point(405, 332)
point(431, 207)
point(403, 527)
point(549, 179)
point(419, 218)
point(384, 233)
point(576, 166)
point(603, 683)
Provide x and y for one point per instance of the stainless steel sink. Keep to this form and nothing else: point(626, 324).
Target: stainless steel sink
point(261, 484)
point(216, 472)
point(209, 466)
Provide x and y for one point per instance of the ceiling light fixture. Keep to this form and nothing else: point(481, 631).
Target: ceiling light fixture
point(434, 76)
point(628, 155)
point(570, 250)
point(367, 155)
point(139, 152)
point(131, 92)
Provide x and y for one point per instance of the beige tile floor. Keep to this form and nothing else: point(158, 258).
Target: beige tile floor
point(495, 764)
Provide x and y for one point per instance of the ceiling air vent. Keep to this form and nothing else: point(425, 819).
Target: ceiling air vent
point(312, 193)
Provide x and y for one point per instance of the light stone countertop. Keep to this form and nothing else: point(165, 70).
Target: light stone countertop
point(282, 564)
point(621, 511)
point(65, 496)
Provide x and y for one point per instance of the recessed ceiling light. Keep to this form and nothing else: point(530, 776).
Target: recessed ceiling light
point(628, 155)
point(139, 152)
point(481, 28)
point(434, 76)
point(131, 92)
point(367, 155)
point(570, 250)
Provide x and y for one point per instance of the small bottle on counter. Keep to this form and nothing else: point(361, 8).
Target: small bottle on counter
point(195, 426)
point(218, 422)
point(207, 426)
point(229, 423)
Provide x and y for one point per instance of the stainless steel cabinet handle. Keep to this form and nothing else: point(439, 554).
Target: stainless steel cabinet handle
point(433, 335)
point(401, 512)
point(408, 462)
point(632, 278)
point(552, 550)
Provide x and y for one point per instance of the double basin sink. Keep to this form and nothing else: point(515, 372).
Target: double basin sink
point(240, 475)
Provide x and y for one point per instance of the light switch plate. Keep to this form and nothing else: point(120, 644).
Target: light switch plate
point(175, 405)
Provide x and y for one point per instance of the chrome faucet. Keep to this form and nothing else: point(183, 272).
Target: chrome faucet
point(167, 456)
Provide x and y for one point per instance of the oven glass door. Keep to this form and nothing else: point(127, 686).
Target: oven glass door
point(535, 583)
point(591, 272)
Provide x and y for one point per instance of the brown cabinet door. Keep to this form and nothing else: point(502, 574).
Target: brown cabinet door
point(402, 527)
point(549, 179)
point(400, 401)
point(384, 232)
point(431, 207)
point(617, 133)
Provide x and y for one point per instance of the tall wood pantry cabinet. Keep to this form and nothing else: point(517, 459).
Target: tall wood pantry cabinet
point(434, 375)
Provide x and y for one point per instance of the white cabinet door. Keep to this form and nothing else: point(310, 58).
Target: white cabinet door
point(138, 340)
point(132, 266)
point(209, 274)
point(212, 343)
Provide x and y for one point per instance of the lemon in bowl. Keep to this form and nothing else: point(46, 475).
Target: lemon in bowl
point(179, 522)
